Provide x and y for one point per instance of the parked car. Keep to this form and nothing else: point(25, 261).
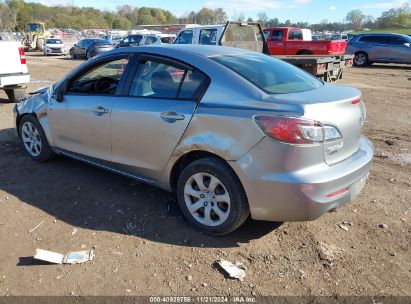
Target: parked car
point(339, 37)
point(14, 74)
point(289, 41)
point(146, 39)
point(231, 131)
point(54, 46)
point(130, 40)
point(88, 48)
point(383, 48)
point(113, 39)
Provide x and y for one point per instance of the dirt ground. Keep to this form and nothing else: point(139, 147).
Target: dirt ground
point(143, 246)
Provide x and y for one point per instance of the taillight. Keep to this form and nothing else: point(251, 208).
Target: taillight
point(357, 101)
point(22, 56)
point(296, 131)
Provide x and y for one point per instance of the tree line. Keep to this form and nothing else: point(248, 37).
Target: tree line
point(15, 14)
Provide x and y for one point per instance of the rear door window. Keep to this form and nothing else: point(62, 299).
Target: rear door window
point(158, 79)
point(375, 39)
point(208, 37)
point(295, 35)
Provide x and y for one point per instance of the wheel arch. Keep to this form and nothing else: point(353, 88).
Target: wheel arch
point(36, 107)
point(186, 159)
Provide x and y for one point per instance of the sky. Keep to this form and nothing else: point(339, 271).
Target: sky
point(312, 11)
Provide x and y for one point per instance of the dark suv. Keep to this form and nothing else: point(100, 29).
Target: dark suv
point(383, 48)
point(89, 48)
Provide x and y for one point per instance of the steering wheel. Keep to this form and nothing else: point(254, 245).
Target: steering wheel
point(106, 85)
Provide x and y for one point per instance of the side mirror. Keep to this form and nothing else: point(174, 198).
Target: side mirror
point(75, 44)
point(407, 44)
point(59, 96)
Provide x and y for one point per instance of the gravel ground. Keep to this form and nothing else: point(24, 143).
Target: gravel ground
point(143, 246)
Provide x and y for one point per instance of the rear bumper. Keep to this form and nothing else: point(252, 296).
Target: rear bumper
point(14, 79)
point(302, 195)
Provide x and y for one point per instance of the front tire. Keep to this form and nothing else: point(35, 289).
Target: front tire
point(211, 196)
point(72, 55)
point(33, 139)
point(361, 59)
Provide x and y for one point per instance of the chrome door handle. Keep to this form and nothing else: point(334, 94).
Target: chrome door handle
point(171, 116)
point(99, 111)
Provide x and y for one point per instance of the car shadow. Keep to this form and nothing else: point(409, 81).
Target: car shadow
point(70, 59)
point(4, 100)
point(92, 198)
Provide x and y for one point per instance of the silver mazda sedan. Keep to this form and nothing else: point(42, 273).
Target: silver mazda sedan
point(233, 132)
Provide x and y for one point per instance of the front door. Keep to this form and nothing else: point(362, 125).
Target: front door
point(147, 125)
point(399, 50)
point(80, 122)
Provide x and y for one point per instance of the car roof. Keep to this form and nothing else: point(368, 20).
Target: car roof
point(381, 34)
point(203, 50)
point(203, 26)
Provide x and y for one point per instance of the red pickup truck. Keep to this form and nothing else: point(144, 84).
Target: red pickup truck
point(289, 41)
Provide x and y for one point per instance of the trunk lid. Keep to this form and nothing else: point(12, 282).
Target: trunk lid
point(337, 106)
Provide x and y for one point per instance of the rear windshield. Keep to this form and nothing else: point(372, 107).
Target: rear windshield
point(270, 75)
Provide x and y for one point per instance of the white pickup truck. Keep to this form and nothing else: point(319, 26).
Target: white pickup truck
point(13, 70)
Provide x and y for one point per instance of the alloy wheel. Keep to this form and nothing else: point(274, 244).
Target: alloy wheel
point(31, 139)
point(360, 59)
point(207, 199)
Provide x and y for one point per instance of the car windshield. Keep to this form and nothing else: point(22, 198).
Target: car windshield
point(53, 41)
point(271, 75)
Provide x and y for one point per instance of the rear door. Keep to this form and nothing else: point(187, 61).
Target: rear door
point(376, 47)
point(155, 110)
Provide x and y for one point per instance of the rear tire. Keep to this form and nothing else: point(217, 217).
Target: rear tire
point(33, 139)
point(15, 95)
point(211, 196)
point(361, 59)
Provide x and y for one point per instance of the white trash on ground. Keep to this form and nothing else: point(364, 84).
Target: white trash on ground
point(73, 257)
point(235, 271)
